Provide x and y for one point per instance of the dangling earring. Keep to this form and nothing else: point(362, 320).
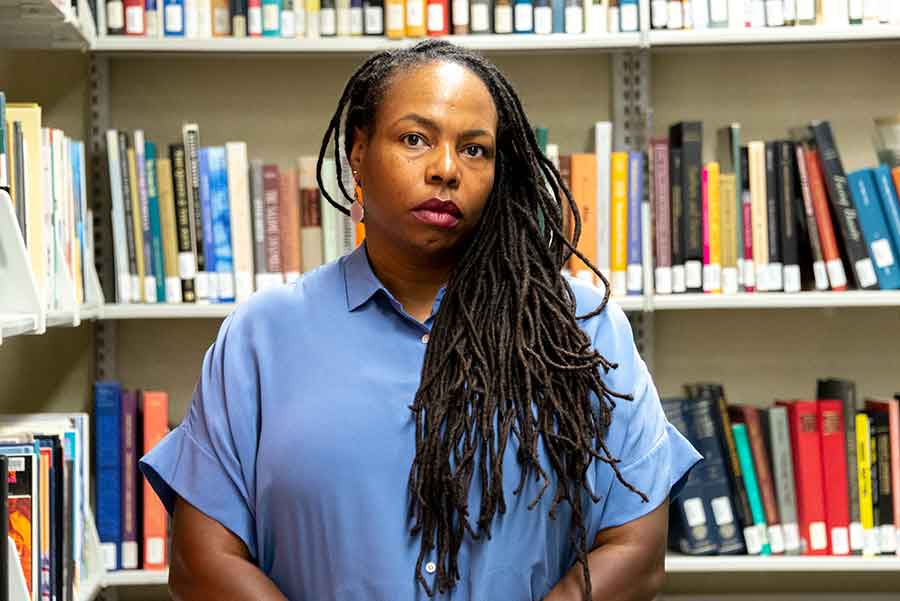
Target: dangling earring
point(357, 211)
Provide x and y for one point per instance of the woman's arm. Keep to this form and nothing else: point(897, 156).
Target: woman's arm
point(627, 562)
point(209, 562)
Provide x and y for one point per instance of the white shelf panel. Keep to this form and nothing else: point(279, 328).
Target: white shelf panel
point(629, 303)
point(365, 44)
point(137, 578)
point(683, 564)
point(40, 24)
point(60, 318)
point(166, 311)
point(806, 34)
point(778, 300)
point(16, 324)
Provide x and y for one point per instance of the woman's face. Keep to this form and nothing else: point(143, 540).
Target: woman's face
point(433, 143)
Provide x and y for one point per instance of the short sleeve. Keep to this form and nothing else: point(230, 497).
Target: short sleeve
point(209, 460)
point(653, 455)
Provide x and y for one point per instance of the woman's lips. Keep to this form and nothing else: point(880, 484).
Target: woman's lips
point(436, 218)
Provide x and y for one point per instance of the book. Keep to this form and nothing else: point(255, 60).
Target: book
point(677, 220)
point(634, 273)
point(687, 136)
point(128, 558)
point(712, 230)
point(774, 211)
point(785, 169)
point(310, 215)
point(756, 152)
point(271, 193)
point(240, 213)
point(619, 223)
point(184, 224)
point(584, 192)
point(659, 194)
point(169, 230)
point(888, 446)
point(602, 226)
point(206, 217)
point(834, 266)
point(834, 475)
point(289, 222)
point(155, 222)
point(780, 454)
point(748, 472)
point(221, 224)
point(867, 201)
point(820, 275)
point(864, 477)
point(108, 445)
point(120, 244)
point(155, 415)
point(190, 133)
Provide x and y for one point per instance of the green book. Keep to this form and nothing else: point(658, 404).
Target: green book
point(745, 457)
point(156, 245)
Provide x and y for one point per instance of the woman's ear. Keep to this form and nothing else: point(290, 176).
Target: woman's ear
point(358, 149)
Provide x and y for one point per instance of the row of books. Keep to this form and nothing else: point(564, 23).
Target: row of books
point(131, 521)
point(770, 216)
point(204, 19)
point(738, 14)
point(204, 224)
point(818, 477)
point(43, 503)
point(44, 172)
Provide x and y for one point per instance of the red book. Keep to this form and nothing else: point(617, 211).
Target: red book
point(748, 240)
point(806, 450)
point(837, 277)
point(834, 475)
point(438, 22)
point(155, 408)
point(134, 17)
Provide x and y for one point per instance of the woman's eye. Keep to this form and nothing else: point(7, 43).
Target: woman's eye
point(413, 140)
point(474, 151)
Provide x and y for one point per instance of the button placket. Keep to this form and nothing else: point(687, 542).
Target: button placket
point(425, 338)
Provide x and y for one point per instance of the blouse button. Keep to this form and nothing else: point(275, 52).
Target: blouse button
point(425, 339)
point(430, 567)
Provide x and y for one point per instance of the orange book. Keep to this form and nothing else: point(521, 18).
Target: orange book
point(895, 173)
point(155, 408)
point(584, 191)
point(289, 221)
point(395, 18)
point(618, 256)
point(221, 18)
point(415, 18)
point(836, 275)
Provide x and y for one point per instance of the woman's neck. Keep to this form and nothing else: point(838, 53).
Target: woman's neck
point(414, 281)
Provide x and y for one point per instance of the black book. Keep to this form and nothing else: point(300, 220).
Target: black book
point(238, 10)
point(858, 265)
point(4, 530)
point(687, 136)
point(773, 222)
point(56, 517)
point(881, 463)
point(677, 199)
point(115, 17)
point(845, 391)
point(373, 17)
point(124, 145)
point(785, 174)
point(184, 232)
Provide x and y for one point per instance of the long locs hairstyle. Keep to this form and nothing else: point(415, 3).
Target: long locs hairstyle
point(505, 347)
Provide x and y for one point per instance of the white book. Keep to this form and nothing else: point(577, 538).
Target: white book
point(300, 18)
point(120, 246)
point(687, 14)
point(288, 25)
point(871, 11)
point(141, 170)
point(599, 18)
point(343, 17)
point(659, 11)
point(884, 10)
point(646, 285)
point(613, 22)
point(806, 10)
point(718, 13)
point(204, 19)
point(310, 215)
point(240, 216)
point(574, 17)
point(675, 19)
point(757, 13)
point(603, 133)
point(191, 19)
point(774, 13)
point(356, 20)
point(895, 13)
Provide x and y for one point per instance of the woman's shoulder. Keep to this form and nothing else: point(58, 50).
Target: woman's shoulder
point(609, 323)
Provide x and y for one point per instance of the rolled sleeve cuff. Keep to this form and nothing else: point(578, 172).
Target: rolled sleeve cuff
point(179, 465)
point(660, 474)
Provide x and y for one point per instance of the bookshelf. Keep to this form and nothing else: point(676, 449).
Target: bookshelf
point(784, 76)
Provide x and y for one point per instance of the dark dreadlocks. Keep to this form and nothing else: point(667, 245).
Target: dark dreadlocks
point(506, 336)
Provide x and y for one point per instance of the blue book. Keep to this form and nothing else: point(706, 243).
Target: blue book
point(108, 453)
point(693, 523)
point(156, 243)
point(559, 15)
point(523, 16)
point(173, 18)
point(635, 271)
point(748, 471)
point(221, 223)
point(271, 10)
point(890, 204)
point(867, 201)
point(206, 219)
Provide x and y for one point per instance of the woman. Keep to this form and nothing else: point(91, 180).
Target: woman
point(427, 416)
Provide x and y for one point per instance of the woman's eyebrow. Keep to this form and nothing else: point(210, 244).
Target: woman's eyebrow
point(433, 125)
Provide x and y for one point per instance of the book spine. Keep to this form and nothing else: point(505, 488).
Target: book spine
point(863, 271)
point(271, 18)
point(169, 230)
point(259, 221)
point(806, 448)
point(310, 215)
point(523, 16)
point(134, 285)
point(438, 17)
point(241, 216)
point(864, 476)
point(187, 250)
point(692, 157)
point(659, 150)
point(865, 197)
point(108, 452)
point(356, 17)
point(129, 558)
point(460, 17)
point(837, 276)
point(729, 228)
point(289, 219)
point(887, 533)
point(373, 14)
point(221, 18)
point(140, 167)
point(764, 479)
point(271, 187)
point(134, 17)
point(834, 473)
point(239, 18)
point(206, 223)
point(773, 221)
point(757, 165)
point(601, 222)
point(742, 443)
point(677, 221)
point(140, 282)
point(790, 251)
point(619, 229)
point(543, 17)
point(156, 416)
point(635, 265)
point(191, 138)
point(394, 19)
point(819, 272)
point(584, 191)
point(156, 238)
point(783, 472)
point(503, 16)
point(415, 18)
point(740, 175)
point(887, 194)
point(173, 18)
point(221, 224)
point(115, 17)
point(712, 264)
point(120, 244)
point(255, 19)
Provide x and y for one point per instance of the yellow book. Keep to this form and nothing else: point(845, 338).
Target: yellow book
point(168, 229)
point(712, 268)
point(728, 226)
point(864, 473)
point(395, 18)
point(313, 7)
point(29, 114)
point(137, 226)
point(584, 191)
point(415, 18)
point(618, 255)
point(221, 18)
point(759, 212)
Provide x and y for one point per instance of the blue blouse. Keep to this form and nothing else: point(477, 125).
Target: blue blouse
point(299, 440)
